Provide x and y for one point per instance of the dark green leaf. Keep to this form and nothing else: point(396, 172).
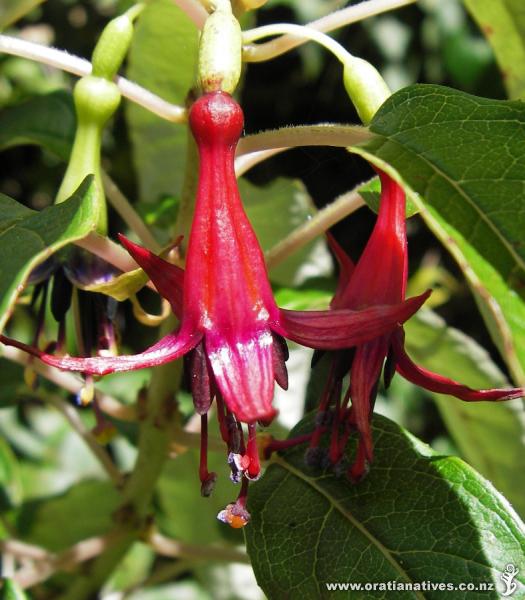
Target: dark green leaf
point(48, 120)
point(28, 237)
point(490, 435)
point(162, 59)
point(12, 382)
point(464, 157)
point(416, 517)
point(503, 23)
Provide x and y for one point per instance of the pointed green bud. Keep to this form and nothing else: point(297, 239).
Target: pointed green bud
point(365, 86)
point(114, 43)
point(220, 51)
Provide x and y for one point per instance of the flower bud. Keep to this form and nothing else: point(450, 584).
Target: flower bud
point(365, 86)
point(220, 52)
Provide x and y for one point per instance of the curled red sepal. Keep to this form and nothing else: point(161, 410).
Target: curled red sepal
point(343, 328)
point(169, 348)
point(443, 385)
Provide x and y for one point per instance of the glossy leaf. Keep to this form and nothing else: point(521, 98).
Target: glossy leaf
point(28, 237)
point(503, 23)
point(162, 58)
point(489, 435)
point(416, 517)
point(47, 120)
point(462, 160)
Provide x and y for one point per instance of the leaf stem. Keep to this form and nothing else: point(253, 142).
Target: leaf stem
point(73, 418)
point(194, 10)
point(81, 67)
point(343, 206)
point(124, 208)
point(70, 383)
point(172, 548)
point(335, 20)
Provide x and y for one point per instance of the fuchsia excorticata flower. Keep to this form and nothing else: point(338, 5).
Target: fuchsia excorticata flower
point(379, 277)
point(231, 330)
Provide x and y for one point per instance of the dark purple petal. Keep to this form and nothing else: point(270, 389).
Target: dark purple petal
point(199, 379)
point(280, 356)
point(167, 349)
point(442, 385)
point(334, 329)
point(167, 278)
point(243, 370)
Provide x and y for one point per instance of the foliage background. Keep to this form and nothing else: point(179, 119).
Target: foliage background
point(54, 492)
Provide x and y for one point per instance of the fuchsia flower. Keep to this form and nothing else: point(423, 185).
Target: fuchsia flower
point(379, 277)
point(230, 327)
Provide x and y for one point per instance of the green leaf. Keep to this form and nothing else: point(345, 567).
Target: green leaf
point(47, 120)
point(371, 194)
point(162, 58)
point(12, 382)
point(13, 10)
point(58, 522)
point(490, 435)
point(276, 209)
point(461, 158)
point(503, 23)
point(28, 237)
point(10, 590)
point(10, 484)
point(416, 517)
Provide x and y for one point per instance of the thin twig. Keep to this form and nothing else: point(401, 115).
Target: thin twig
point(23, 551)
point(323, 134)
point(98, 451)
point(168, 547)
point(194, 10)
point(339, 209)
point(32, 574)
point(130, 216)
point(70, 383)
point(81, 67)
point(339, 18)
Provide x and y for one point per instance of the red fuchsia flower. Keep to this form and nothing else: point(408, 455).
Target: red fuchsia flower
point(379, 277)
point(231, 330)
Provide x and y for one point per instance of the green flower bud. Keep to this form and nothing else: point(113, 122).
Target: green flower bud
point(112, 47)
point(365, 86)
point(220, 52)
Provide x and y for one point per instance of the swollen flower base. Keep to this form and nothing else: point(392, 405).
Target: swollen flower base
point(379, 277)
point(231, 330)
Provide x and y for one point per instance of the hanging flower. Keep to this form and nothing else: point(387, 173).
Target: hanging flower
point(379, 278)
point(230, 327)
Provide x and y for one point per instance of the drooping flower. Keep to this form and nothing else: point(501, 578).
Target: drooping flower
point(379, 277)
point(230, 326)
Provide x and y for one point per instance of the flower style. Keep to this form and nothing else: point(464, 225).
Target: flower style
point(379, 277)
point(230, 326)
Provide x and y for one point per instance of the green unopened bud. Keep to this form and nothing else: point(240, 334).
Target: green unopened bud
point(365, 86)
point(114, 43)
point(220, 51)
point(96, 100)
